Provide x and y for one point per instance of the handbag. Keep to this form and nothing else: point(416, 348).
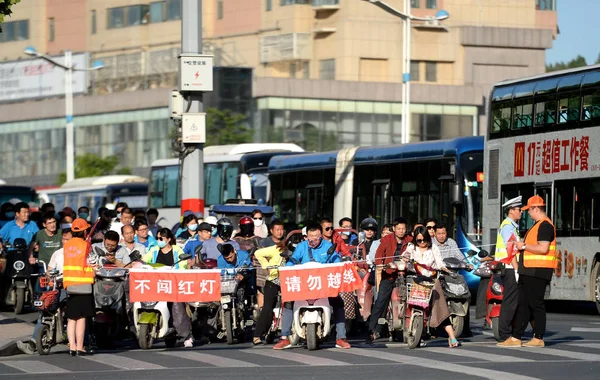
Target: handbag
point(483, 271)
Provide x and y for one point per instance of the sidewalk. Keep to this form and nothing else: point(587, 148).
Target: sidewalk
point(12, 330)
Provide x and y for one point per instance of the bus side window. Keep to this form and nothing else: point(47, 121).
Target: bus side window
point(545, 113)
point(569, 109)
point(591, 106)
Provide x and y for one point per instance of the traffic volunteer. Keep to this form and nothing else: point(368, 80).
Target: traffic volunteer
point(537, 262)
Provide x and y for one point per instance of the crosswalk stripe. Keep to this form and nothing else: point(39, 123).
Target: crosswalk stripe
point(586, 345)
point(436, 364)
point(299, 358)
point(32, 366)
point(122, 362)
point(561, 353)
point(476, 355)
point(586, 329)
point(217, 361)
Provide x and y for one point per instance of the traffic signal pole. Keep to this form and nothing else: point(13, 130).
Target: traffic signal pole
point(192, 170)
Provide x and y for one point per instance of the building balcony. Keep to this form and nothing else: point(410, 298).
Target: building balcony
point(326, 5)
point(285, 47)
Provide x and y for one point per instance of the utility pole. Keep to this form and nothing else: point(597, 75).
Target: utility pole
point(192, 164)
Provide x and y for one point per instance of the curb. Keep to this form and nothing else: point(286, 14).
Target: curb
point(10, 348)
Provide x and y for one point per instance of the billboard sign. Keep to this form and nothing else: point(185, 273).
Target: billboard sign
point(37, 78)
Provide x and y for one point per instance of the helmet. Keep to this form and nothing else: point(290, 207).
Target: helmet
point(20, 244)
point(368, 224)
point(211, 220)
point(224, 228)
point(246, 226)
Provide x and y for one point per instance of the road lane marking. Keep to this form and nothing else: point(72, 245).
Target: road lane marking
point(586, 329)
point(586, 345)
point(476, 355)
point(122, 362)
point(217, 361)
point(300, 358)
point(437, 364)
point(31, 366)
point(562, 353)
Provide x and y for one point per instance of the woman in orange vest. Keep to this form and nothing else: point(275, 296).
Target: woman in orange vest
point(78, 278)
point(537, 261)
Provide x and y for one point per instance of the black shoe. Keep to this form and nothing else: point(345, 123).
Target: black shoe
point(371, 338)
point(467, 334)
point(171, 331)
point(82, 353)
point(72, 353)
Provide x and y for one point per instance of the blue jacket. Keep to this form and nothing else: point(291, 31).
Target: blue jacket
point(190, 247)
point(243, 258)
point(151, 242)
point(301, 254)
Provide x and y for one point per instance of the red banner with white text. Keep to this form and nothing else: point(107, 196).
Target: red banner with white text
point(314, 280)
point(174, 285)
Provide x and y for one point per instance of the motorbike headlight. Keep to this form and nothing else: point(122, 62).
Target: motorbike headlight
point(457, 288)
point(19, 265)
point(149, 304)
point(496, 288)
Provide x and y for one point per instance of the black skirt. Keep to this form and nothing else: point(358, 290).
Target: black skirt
point(80, 306)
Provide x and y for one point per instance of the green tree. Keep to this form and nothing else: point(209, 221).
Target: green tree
point(91, 165)
point(5, 10)
point(226, 127)
point(578, 61)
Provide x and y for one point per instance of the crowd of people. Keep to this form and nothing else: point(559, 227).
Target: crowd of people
point(59, 239)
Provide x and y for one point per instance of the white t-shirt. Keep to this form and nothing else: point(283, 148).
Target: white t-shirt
point(57, 261)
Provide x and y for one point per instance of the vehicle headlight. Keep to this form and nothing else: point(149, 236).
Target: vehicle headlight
point(457, 288)
point(496, 288)
point(19, 265)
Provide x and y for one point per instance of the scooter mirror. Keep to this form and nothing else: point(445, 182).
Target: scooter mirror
point(362, 237)
point(197, 250)
point(185, 256)
point(471, 253)
point(135, 255)
point(220, 248)
point(483, 253)
point(331, 249)
point(99, 251)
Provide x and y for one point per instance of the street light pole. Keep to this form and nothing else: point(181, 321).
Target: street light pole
point(406, 18)
point(70, 131)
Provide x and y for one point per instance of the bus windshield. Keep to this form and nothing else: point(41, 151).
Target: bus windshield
point(471, 164)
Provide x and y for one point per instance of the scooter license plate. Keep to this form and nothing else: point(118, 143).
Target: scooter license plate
point(225, 299)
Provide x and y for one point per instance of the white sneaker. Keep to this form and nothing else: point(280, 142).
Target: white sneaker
point(189, 342)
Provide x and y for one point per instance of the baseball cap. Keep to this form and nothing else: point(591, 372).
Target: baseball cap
point(79, 224)
point(211, 220)
point(534, 201)
point(204, 227)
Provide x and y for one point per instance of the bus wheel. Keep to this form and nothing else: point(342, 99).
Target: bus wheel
point(596, 277)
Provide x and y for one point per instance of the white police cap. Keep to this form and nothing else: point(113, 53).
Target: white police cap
point(515, 202)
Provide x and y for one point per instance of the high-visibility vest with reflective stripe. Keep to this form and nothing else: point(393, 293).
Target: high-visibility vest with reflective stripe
point(537, 260)
point(76, 270)
point(500, 244)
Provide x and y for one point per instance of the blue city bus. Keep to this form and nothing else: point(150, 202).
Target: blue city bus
point(442, 179)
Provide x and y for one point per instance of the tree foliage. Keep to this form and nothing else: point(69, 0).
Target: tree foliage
point(226, 127)
point(578, 61)
point(91, 165)
point(5, 10)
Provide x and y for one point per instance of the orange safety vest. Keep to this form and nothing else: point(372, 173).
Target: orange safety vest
point(537, 260)
point(76, 270)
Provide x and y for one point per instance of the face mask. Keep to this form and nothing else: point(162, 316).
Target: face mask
point(83, 215)
point(10, 214)
point(213, 231)
point(162, 244)
point(119, 216)
point(192, 227)
point(347, 233)
point(258, 222)
point(64, 226)
point(314, 243)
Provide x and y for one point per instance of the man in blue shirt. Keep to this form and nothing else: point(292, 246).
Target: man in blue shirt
point(20, 227)
point(314, 249)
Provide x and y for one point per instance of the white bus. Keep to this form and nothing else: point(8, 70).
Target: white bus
point(541, 136)
point(96, 192)
point(230, 171)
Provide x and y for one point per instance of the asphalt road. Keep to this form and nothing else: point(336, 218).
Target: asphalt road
point(573, 351)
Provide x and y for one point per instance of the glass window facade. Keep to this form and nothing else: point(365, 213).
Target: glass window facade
point(15, 31)
point(37, 148)
point(324, 125)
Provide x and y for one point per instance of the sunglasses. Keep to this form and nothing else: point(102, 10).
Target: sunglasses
point(430, 227)
point(163, 239)
point(419, 241)
point(328, 228)
point(258, 218)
